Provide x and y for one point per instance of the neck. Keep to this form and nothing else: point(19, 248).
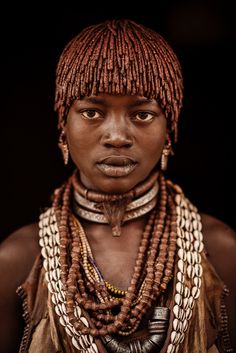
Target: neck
point(115, 209)
point(96, 196)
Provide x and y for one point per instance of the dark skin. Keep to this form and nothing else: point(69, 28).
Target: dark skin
point(138, 130)
point(125, 126)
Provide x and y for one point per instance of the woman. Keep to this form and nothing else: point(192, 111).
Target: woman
point(121, 261)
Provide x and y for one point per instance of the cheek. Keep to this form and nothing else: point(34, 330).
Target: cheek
point(155, 139)
point(155, 149)
point(79, 147)
point(77, 135)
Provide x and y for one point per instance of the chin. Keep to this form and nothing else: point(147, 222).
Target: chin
point(116, 186)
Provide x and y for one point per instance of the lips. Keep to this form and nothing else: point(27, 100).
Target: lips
point(116, 166)
point(117, 160)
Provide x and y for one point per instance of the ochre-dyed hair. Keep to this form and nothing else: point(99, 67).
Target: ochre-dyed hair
point(119, 57)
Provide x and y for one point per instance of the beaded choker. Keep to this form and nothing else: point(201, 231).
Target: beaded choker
point(115, 209)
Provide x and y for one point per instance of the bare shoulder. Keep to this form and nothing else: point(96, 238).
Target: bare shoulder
point(218, 230)
point(220, 244)
point(17, 255)
point(19, 250)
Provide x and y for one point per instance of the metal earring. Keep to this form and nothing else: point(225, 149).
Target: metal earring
point(165, 154)
point(64, 147)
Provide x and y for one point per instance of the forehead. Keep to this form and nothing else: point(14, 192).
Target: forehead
point(118, 100)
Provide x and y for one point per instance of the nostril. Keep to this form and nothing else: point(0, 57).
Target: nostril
point(112, 145)
point(117, 140)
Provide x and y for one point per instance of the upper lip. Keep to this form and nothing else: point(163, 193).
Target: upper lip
point(117, 160)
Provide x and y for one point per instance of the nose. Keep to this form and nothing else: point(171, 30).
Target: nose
point(117, 133)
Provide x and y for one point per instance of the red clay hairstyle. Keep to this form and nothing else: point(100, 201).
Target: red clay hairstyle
point(119, 57)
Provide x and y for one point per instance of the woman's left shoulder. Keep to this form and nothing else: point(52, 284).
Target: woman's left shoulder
point(220, 245)
point(219, 237)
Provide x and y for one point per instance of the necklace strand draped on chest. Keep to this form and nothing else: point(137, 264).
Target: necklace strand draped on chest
point(171, 239)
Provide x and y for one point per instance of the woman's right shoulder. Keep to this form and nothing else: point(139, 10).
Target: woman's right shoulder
point(18, 252)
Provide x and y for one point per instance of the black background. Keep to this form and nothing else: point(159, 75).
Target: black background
point(202, 34)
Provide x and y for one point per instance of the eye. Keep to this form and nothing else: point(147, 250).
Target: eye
point(143, 116)
point(90, 114)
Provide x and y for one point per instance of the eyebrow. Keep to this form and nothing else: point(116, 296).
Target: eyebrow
point(100, 100)
point(94, 99)
point(140, 101)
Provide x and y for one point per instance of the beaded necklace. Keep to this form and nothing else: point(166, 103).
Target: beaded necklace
point(73, 285)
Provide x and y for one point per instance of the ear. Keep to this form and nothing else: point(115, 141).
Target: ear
point(62, 144)
point(169, 131)
point(63, 128)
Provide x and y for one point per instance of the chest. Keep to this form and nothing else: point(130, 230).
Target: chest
point(115, 256)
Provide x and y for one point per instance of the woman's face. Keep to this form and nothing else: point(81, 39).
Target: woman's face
point(115, 141)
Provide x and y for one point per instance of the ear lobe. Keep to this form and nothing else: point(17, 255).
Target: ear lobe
point(167, 150)
point(62, 144)
point(63, 127)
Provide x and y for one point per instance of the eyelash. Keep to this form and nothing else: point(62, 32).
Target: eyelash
point(88, 111)
point(145, 113)
point(134, 115)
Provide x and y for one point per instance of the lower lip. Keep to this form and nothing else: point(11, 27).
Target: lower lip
point(115, 170)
